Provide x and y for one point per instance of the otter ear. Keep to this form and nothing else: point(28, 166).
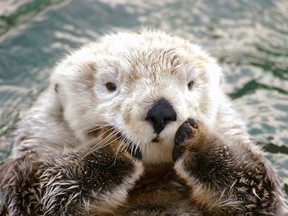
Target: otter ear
point(58, 93)
point(56, 87)
point(57, 90)
point(221, 76)
point(57, 97)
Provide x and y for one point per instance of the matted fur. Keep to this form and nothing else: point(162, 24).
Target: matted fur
point(86, 147)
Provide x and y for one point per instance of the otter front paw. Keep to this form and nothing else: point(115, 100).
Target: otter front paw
point(200, 153)
point(226, 177)
point(203, 161)
point(185, 132)
point(99, 179)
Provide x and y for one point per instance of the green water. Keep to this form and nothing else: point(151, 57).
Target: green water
point(249, 39)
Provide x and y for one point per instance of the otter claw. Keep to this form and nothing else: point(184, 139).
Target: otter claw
point(192, 123)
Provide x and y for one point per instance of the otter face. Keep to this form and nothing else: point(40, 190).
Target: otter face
point(144, 86)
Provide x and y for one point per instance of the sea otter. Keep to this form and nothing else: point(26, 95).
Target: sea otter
point(137, 124)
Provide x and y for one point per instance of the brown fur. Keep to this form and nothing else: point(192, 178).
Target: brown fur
point(219, 183)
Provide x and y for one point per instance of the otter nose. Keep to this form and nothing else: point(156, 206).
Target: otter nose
point(161, 113)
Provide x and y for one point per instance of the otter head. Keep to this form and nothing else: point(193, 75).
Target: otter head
point(143, 86)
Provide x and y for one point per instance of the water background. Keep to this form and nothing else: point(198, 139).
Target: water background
point(249, 39)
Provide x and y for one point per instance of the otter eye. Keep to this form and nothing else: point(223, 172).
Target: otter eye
point(190, 85)
point(111, 86)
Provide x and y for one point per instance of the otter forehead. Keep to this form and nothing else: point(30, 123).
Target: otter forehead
point(149, 54)
point(130, 56)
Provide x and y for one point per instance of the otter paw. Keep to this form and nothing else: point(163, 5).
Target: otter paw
point(185, 132)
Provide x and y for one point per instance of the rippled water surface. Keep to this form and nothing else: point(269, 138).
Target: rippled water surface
point(249, 39)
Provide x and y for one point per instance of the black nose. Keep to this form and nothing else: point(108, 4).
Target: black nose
point(161, 113)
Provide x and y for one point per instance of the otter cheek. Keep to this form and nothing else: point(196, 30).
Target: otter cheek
point(127, 118)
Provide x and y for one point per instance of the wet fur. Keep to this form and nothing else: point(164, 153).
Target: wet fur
point(83, 150)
